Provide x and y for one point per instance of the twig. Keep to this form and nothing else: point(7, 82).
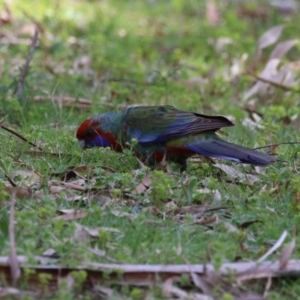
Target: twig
point(276, 84)
point(274, 248)
point(275, 145)
point(13, 258)
point(124, 80)
point(66, 101)
point(20, 136)
point(27, 62)
point(34, 21)
point(12, 183)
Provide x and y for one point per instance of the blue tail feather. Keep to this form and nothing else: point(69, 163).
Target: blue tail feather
point(221, 149)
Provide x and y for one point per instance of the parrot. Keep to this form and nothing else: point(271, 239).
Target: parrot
point(165, 132)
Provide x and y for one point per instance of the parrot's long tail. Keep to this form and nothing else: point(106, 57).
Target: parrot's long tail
point(219, 148)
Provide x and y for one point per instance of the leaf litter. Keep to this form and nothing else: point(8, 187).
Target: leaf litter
point(204, 277)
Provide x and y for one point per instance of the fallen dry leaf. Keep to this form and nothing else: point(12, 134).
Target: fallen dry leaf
point(282, 48)
point(271, 78)
point(247, 122)
point(50, 253)
point(21, 193)
point(212, 13)
point(143, 186)
point(213, 219)
point(191, 209)
point(86, 234)
point(215, 194)
point(248, 224)
point(74, 172)
point(170, 290)
point(230, 227)
point(119, 213)
point(6, 15)
point(270, 37)
point(72, 215)
point(286, 254)
point(274, 248)
point(75, 185)
point(237, 175)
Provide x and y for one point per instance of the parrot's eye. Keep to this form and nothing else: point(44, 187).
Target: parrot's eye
point(90, 132)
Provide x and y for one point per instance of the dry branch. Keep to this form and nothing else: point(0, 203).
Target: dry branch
point(65, 101)
point(27, 62)
point(276, 84)
point(20, 136)
point(278, 144)
point(15, 270)
point(144, 275)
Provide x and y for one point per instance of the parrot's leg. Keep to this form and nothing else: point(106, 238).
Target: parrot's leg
point(181, 160)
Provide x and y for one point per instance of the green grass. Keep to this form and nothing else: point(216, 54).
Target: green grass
point(143, 52)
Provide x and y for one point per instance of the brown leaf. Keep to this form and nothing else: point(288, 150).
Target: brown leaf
point(270, 37)
point(282, 48)
point(21, 193)
point(162, 165)
point(85, 234)
point(143, 186)
point(249, 223)
point(235, 174)
point(274, 247)
point(230, 227)
point(191, 209)
point(50, 253)
point(286, 254)
point(72, 215)
point(201, 283)
point(73, 172)
point(215, 195)
point(75, 185)
point(261, 87)
point(153, 210)
point(27, 29)
point(213, 219)
point(119, 213)
point(170, 206)
point(170, 290)
point(6, 15)
point(212, 14)
point(55, 189)
point(285, 7)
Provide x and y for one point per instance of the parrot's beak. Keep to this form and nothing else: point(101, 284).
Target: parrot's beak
point(82, 144)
